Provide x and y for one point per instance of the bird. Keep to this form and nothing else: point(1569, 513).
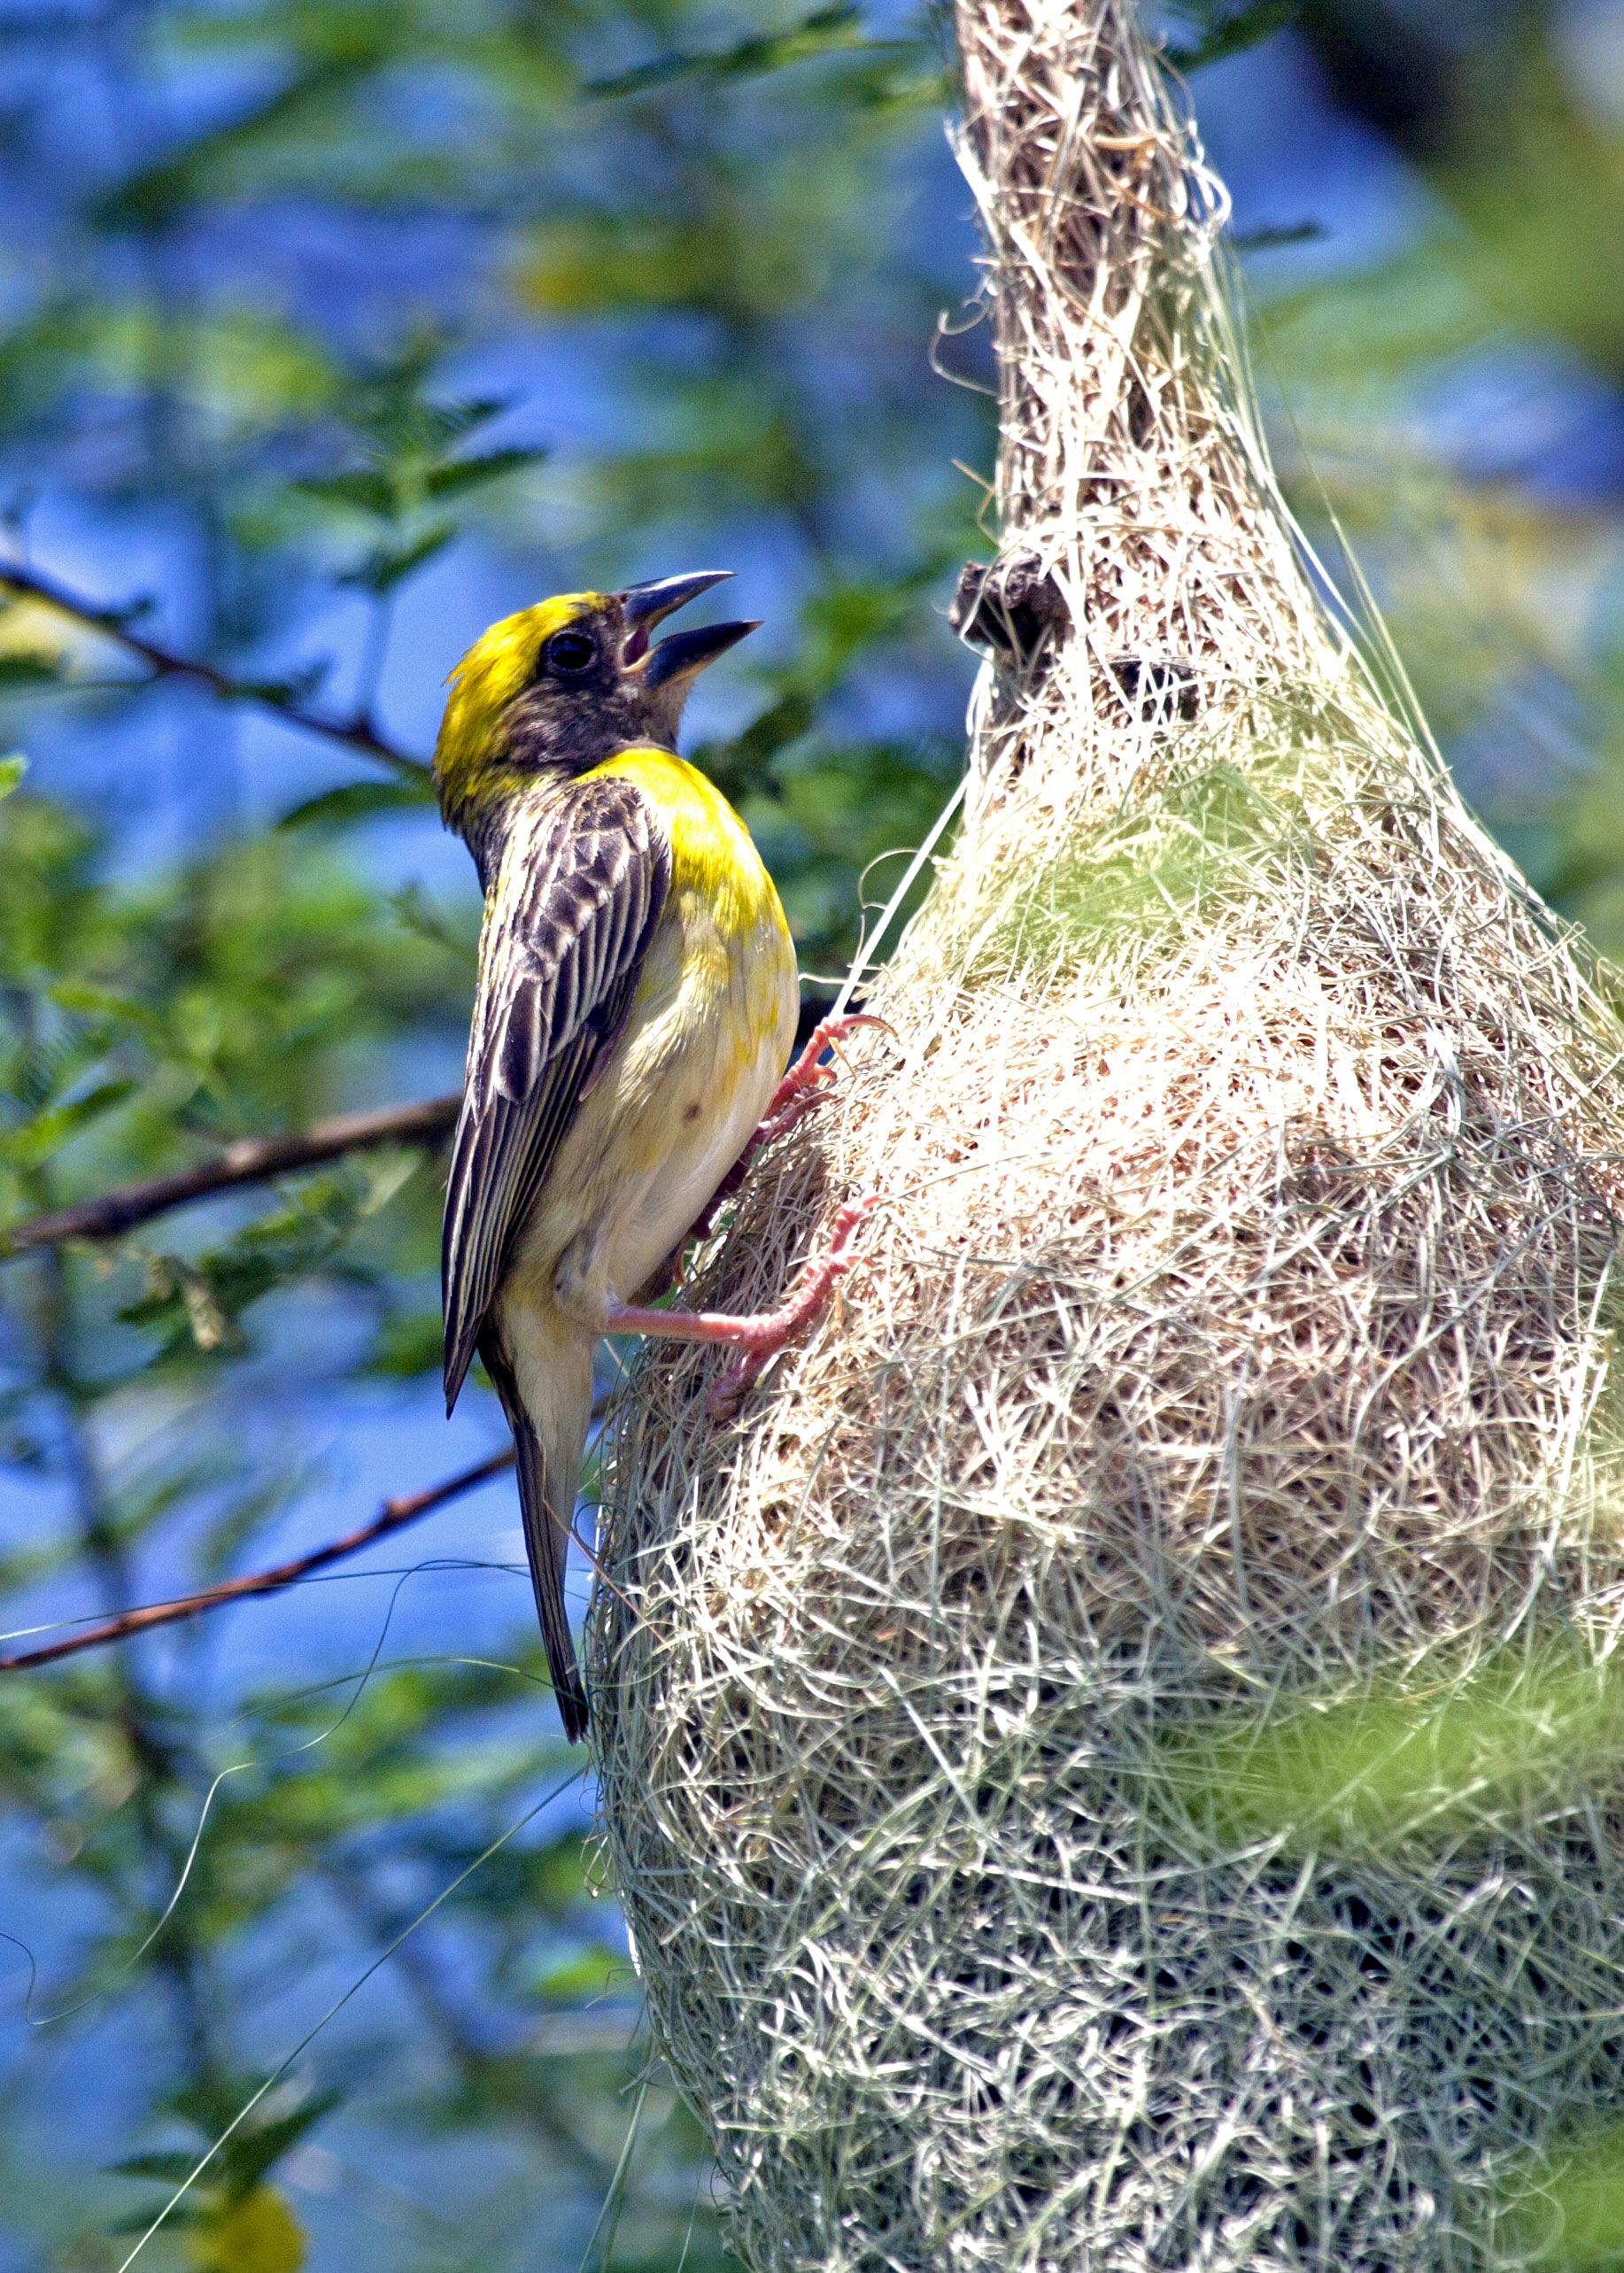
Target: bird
point(634, 1008)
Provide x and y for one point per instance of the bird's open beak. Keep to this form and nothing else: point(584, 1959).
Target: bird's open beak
point(686, 652)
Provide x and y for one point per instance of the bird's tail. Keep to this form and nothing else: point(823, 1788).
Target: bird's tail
point(549, 1409)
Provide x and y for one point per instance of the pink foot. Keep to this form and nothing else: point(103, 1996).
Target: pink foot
point(760, 1336)
point(811, 1292)
point(799, 1087)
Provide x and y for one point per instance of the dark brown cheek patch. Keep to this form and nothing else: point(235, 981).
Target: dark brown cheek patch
point(552, 726)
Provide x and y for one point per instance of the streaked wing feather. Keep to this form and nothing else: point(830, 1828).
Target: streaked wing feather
point(566, 927)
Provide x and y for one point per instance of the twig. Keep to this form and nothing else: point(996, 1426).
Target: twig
point(391, 1517)
point(356, 733)
point(250, 1160)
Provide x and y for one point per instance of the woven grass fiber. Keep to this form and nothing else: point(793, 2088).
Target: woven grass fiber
point(1110, 1761)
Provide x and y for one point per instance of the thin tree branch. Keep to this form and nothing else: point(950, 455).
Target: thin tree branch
point(250, 1160)
point(355, 733)
point(392, 1516)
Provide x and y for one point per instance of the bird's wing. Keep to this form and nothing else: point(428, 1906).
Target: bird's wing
point(578, 892)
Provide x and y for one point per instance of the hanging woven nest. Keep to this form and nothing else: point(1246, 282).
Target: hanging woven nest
point(1107, 1760)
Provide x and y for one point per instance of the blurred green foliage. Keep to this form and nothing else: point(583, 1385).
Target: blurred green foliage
point(264, 262)
point(1435, 1756)
point(1564, 2211)
point(1418, 401)
point(270, 272)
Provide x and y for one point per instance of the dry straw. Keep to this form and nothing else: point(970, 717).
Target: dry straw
point(1106, 1761)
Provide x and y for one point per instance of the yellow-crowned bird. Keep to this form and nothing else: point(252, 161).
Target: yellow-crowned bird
point(636, 1002)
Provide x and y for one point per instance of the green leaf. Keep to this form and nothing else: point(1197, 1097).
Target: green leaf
point(22, 667)
point(300, 687)
point(249, 2155)
point(741, 764)
point(1563, 2209)
point(115, 1014)
point(201, 1304)
point(35, 1140)
point(578, 1979)
point(184, 2214)
point(1265, 240)
point(365, 487)
point(171, 2167)
point(461, 474)
point(407, 1346)
point(826, 31)
point(389, 565)
point(1398, 1760)
point(11, 772)
point(417, 913)
point(437, 425)
point(895, 93)
point(157, 195)
point(355, 801)
point(1230, 35)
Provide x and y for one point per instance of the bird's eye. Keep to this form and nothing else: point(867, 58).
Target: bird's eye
point(570, 652)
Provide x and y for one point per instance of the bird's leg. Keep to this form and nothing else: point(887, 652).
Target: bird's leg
point(798, 1091)
point(760, 1336)
point(793, 1098)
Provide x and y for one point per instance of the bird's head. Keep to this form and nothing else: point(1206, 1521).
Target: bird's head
point(562, 685)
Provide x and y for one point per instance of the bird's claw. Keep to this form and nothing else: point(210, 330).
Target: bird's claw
point(799, 1089)
point(771, 1333)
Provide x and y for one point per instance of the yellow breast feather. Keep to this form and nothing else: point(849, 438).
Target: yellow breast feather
point(712, 856)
